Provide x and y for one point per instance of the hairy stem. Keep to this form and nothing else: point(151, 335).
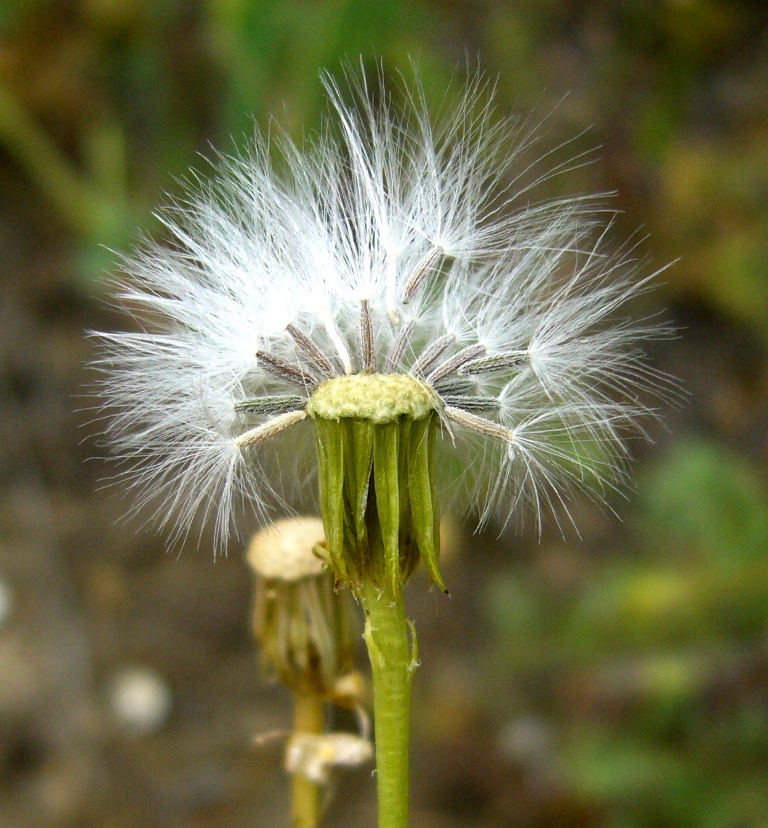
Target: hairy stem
point(386, 635)
point(308, 717)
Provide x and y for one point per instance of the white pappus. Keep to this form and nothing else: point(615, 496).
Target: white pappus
point(388, 243)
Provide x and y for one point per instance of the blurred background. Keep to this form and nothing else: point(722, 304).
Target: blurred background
point(617, 680)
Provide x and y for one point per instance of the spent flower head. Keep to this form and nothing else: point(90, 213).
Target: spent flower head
point(392, 267)
point(305, 627)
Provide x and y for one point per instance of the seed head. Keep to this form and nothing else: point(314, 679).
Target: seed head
point(394, 265)
point(283, 551)
point(304, 625)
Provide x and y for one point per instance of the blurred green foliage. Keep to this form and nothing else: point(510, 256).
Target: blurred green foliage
point(130, 93)
point(656, 658)
point(709, 502)
point(271, 52)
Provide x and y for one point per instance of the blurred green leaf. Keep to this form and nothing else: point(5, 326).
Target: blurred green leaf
point(704, 498)
point(272, 51)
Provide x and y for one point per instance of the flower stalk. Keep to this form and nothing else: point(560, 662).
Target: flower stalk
point(306, 793)
point(393, 662)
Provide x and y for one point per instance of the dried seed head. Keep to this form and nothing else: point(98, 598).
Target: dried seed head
point(283, 550)
point(305, 627)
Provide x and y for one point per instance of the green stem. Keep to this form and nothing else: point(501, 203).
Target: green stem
point(392, 663)
point(308, 717)
point(82, 205)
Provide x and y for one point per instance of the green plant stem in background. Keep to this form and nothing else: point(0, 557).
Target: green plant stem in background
point(392, 665)
point(306, 795)
point(83, 206)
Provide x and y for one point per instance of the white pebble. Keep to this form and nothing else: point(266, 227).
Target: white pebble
point(140, 700)
point(526, 739)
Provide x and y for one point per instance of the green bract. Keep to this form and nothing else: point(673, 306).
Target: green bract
point(375, 446)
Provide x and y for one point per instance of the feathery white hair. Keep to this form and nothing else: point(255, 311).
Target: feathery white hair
point(389, 243)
